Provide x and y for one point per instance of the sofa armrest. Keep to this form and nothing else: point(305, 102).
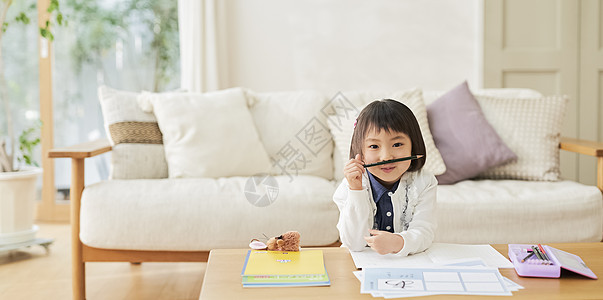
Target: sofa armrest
point(589, 148)
point(78, 154)
point(83, 150)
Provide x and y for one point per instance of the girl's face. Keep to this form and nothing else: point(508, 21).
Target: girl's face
point(382, 145)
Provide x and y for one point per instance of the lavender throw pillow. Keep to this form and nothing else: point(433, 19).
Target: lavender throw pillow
point(468, 143)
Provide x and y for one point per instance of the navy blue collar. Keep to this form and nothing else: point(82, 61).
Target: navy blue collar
point(378, 189)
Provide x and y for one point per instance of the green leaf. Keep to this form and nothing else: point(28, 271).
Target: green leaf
point(28, 140)
point(24, 18)
point(54, 5)
point(60, 19)
point(45, 33)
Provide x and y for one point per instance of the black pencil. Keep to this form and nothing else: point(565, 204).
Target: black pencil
point(546, 257)
point(537, 253)
point(529, 255)
point(394, 160)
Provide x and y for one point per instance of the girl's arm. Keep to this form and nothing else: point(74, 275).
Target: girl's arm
point(421, 230)
point(354, 216)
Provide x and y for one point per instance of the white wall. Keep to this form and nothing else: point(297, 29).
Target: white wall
point(338, 45)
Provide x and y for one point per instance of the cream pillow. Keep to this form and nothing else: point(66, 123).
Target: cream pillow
point(207, 135)
point(294, 132)
point(341, 124)
point(531, 127)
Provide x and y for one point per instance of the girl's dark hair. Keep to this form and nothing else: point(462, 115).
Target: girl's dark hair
point(389, 115)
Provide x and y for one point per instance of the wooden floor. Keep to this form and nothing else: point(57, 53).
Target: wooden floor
point(32, 274)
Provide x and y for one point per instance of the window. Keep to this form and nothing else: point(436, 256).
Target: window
point(20, 69)
point(128, 44)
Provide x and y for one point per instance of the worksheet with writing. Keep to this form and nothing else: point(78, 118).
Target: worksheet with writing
point(437, 280)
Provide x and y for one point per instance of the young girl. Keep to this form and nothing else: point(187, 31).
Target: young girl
point(388, 207)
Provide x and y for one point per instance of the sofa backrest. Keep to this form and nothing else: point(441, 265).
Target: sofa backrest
point(291, 125)
point(296, 129)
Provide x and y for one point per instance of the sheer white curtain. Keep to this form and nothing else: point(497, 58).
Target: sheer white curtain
point(198, 25)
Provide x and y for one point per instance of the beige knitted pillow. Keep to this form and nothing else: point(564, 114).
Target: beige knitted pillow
point(134, 135)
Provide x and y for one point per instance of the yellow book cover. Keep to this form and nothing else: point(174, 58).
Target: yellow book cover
point(259, 262)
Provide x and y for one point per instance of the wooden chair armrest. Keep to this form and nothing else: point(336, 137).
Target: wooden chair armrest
point(83, 150)
point(591, 148)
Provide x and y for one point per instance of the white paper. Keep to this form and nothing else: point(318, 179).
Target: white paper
point(512, 285)
point(441, 252)
point(445, 286)
point(465, 262)
point(441, 276)
point(478, 277)
point(438, 253)
point(370, 258)
point(484, 287)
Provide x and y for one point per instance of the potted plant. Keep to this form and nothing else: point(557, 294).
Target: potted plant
point(18, 191)
point(18, 169)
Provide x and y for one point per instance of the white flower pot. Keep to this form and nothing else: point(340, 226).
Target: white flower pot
point(17, 200)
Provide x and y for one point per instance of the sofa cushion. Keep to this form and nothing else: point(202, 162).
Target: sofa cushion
point(341, 124)
point(531, 127)
point(190, 214)
point(134, 136)
point(514, 211)
point(207, 135)
point(294, 132)
point(467, 142)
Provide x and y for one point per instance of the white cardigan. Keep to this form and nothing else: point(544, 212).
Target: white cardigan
point(357, 210)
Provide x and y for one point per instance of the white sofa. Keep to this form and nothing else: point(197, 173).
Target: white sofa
point(142, 215)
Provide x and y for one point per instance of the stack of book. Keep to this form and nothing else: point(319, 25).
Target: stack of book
point(282, 269)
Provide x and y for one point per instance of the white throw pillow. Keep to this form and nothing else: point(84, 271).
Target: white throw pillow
point(134, 135)
point(341, 124)
point(531, 127)
point(294, 131)
point(208, 135)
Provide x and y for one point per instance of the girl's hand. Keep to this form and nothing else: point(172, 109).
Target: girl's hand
point(384, 242)
point(353, 173)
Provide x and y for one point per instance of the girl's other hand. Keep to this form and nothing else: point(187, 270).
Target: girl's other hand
point(353, 173)
point(384, 242)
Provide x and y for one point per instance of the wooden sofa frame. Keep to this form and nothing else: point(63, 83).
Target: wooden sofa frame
point(82, 253)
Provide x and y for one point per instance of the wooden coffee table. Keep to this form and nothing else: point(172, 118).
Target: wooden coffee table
point(223, 278)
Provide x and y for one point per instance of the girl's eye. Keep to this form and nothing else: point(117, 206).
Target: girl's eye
point(398, 145)
point(373, 146)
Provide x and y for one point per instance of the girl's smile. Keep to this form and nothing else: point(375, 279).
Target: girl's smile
point(387, 169)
